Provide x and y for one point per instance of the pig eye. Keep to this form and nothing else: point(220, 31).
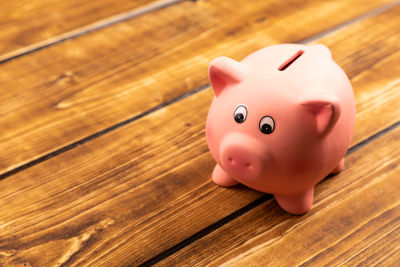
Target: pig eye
point(240, 114)
point(267, 125)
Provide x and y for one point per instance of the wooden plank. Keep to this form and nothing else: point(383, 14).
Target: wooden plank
point(371, 244)
point(28, 25)
point(364, 214)
point(392, 259)
point(129, 195)
point(68, 92)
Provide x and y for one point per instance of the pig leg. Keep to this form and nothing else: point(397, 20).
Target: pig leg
point(220, 177)
point(339, 167)
point(296, 204)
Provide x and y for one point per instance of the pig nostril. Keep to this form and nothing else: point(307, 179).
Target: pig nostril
point(230, 159)
point(248, 165)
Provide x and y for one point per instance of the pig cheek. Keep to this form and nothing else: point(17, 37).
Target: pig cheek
point(301, 161)
point(299, 166)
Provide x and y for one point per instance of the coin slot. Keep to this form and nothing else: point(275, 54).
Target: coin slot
point(290, 61)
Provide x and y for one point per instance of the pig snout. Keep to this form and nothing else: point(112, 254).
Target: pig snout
point(243, 156)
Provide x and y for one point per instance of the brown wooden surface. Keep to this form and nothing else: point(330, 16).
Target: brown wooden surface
point(142, 192)
point(75, 89)
point(26, 25)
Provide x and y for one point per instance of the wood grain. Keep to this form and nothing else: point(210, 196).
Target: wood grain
point(372, 243)
point(131, 194)
point(28, 25)
point(70, 91)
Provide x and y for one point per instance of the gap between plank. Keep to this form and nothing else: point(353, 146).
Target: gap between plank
point(129, 120)
point(100, 24)
point(211, 228)
point(98, 134)
point(205, 231)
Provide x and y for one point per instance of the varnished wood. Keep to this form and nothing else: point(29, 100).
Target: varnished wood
point(75, 89)
point(28, 25)
point(133, 193)
point(137, 191)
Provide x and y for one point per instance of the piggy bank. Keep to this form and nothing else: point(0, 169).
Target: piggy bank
point(280, 122)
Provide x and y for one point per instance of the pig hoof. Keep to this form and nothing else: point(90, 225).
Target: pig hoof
point(297, 204)
point(220, 177)
point(339, 167)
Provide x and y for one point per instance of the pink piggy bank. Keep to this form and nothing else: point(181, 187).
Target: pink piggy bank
point(281, 120)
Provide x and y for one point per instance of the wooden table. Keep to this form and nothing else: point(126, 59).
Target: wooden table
point(103, 157)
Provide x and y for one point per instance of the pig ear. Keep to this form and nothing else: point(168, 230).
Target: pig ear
point(224, 71)
point(324, 107)
point(322, 49)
